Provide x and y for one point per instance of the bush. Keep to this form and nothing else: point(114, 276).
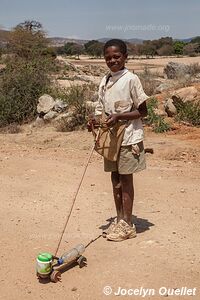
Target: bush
point(148, 81)
point(22, 84)
point(158, 122)
point(26, 76)
point(194, 69)
point(76, 97)
point(188, 112)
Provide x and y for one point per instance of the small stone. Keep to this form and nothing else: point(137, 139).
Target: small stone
point(74, 289)
point(50, 115)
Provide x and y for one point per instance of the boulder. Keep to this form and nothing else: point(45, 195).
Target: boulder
point(184, 94)
point(163, 87)
point(170, 108)
point(175, 70)
point(46, 103)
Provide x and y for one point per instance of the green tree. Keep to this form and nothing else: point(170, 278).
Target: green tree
point(71, 48)
point(178, 47)
point(94, 48)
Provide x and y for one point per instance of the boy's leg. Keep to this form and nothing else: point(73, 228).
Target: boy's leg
point(127, 196)
point(117, 193)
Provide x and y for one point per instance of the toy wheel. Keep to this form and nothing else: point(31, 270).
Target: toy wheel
point(82, 261)
point(40, 276)
point(55, 276)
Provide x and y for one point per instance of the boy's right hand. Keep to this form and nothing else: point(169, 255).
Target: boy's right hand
point(92, 122)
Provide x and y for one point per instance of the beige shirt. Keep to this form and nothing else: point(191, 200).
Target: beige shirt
point(122, 92)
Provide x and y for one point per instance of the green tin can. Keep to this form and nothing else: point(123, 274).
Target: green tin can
point(44, 264)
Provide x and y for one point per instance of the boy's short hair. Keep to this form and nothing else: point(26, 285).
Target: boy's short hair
point(117, 43)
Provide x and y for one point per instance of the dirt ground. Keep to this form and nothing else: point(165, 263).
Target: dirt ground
point(155, 64)
point(40, 172)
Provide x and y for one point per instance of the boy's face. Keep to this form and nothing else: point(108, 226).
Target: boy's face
point(115, 60)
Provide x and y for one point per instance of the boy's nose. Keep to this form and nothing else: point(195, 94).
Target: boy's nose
point(113, 60)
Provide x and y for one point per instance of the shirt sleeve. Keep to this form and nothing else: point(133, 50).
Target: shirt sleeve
point(137, 92)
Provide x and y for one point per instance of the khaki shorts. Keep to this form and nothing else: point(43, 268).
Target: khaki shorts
point(127, 162)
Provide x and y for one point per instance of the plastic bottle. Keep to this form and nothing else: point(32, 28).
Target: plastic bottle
point(72, 254)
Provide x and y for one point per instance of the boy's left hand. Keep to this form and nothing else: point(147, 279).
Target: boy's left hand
point(112, 120)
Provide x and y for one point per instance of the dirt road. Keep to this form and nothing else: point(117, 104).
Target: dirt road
point(39, 175)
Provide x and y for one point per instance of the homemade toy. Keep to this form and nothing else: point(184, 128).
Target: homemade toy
point(49, 266)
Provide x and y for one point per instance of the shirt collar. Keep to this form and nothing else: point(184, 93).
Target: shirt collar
point(119, 73)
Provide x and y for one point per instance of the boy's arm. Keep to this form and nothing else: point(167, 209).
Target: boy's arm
point(141, 112)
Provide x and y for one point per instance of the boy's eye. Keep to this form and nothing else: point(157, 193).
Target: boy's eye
point(115, 57)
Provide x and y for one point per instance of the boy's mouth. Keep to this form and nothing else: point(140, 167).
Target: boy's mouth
point(114, 66)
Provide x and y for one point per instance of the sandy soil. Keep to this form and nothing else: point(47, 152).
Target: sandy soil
point(40, 172)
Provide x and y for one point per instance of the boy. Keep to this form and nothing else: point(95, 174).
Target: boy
point(121, 96)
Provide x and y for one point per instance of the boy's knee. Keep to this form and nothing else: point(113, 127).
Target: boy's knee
point(126, 178)
point(115, 178)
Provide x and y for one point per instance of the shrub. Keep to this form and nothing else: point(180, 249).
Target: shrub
point(188, 112)
point(21, 85)
point(158, 122)
point(76, 97)
point(194, 69)
point(148, 81)
point(26, 76)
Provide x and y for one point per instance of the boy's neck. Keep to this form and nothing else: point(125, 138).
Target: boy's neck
point(118, 72)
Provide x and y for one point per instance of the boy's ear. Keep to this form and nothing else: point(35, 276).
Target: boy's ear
point(126, 57)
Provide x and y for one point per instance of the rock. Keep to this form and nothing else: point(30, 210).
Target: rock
point(175, 70)
point(160, 112)
point(59, 105)
point(170, 108)
point(63, 116)
point(197, 76)
point(85, 78)
point(184, 94)
point(50, 115)
point(163, 87)
point(46, 103)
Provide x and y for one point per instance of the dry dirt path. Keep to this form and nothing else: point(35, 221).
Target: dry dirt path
point(39, 173)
